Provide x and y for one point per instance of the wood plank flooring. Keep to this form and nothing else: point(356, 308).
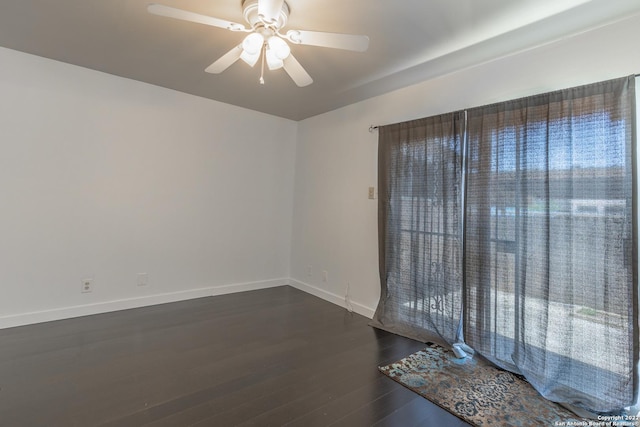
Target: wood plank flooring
point(271, 357)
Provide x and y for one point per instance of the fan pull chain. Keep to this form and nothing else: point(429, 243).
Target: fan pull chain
point(264, 53)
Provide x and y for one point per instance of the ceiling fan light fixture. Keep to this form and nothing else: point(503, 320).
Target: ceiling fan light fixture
point(273, 62)
point(266, 18)
point(249, 58)
point(279, 47)
point(252, 44)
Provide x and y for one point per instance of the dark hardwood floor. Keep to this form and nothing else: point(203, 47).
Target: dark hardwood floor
point(272, 357)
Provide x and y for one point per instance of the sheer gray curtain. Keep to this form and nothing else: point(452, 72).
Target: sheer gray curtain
point(550, 284)
point(420, 225)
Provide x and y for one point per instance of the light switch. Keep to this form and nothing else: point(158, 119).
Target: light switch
point(372, 193)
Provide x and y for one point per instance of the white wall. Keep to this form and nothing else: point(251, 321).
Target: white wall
point(105, 177)
point(335, 226)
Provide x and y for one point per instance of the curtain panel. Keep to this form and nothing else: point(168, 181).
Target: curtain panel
point(513, 227)
point(551, 291)
point(420, 227)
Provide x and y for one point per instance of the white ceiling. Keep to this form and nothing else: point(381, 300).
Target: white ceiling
point(410, 41)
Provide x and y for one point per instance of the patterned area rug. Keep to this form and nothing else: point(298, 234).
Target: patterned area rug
point(481, 395)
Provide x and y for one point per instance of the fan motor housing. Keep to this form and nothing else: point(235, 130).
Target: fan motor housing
point(250, 13)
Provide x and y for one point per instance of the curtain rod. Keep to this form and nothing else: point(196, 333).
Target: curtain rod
point(375, 127)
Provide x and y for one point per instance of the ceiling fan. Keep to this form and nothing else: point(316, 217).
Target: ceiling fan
point(266, 18)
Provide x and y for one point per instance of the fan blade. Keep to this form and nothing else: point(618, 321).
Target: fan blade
point(172, 12)
point(225, 61)
point(296, 72)
point(333, 40)
point(269, 10)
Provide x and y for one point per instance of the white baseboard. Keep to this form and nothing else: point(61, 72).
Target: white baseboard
point(124, 304)
point(128, 303)
point(331, 297)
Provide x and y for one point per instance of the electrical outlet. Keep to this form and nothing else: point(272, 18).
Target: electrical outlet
point(325, 276)
point(86, 286)
point(309, 270)
point(143, 279)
